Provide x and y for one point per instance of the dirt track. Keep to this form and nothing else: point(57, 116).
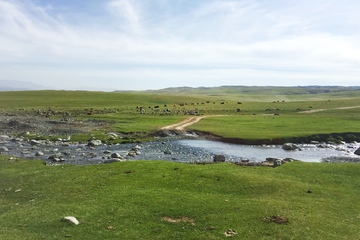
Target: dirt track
point(320, 110)
point(186, 123)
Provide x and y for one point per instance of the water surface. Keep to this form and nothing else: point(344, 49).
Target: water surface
point(308, 153)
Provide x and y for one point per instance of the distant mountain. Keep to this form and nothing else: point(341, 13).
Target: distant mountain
point(13, 85)
point(257, 90)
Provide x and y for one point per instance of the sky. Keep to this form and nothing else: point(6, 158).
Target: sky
point(153, 44)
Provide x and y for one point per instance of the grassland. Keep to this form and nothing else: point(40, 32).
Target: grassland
point(143, 200)
point(252, 114)
point(167, 200)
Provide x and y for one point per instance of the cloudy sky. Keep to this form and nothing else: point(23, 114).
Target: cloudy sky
point(152, 44)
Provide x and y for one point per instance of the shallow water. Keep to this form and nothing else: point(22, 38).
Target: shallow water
point(308, 153)
point(178, 150)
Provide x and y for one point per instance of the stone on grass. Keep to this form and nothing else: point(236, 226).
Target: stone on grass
point(277, 163)
point(72, 219)
point(112, 160)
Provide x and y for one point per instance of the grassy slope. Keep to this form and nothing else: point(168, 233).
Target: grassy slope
point(133, 197)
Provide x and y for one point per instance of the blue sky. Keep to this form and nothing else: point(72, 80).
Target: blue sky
point(142, 44)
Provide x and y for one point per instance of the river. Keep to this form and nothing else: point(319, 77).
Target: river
point(308, 152)
point(170, 149)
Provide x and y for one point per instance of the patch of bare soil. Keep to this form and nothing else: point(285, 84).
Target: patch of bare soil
point(320, 110)
point(230, 233)
point(276, 219)
point(179, 220)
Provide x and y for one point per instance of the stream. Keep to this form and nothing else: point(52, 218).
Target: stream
point(170, 149)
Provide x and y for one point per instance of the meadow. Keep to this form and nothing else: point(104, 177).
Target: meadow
point(167, 200)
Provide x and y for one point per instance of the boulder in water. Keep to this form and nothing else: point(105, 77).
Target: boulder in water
point(219, 158)
point(290, 147)
point(94, 143)
point(357, 152)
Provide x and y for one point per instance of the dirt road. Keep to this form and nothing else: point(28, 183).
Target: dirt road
point(186, 123)
point(320, 110)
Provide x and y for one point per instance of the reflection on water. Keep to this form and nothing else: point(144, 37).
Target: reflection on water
point(308, 153)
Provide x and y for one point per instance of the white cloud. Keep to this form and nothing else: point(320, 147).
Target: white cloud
point(127, 10)
point(210, 43)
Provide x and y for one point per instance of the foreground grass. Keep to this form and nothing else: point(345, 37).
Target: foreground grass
point(129, 200)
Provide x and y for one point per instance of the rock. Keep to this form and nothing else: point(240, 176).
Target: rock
point(132, 154)
point(290, 147)
point(168, 152)
point(94, 143)
point(107, 152)
point(115, 155)
point(17, 140)
point(219, 158)
point(112, 160)
point(38, 154)
point(314, 142)
point(277, 163)
point(58, 160)
point(266, 164)
point(113, 136)
point(55, 156)
point(357, 152)
point(245, 160)
point(137, 147)
point(272, 159)
point(3, 149)
point(288, 160)
point(72, 219)
point(67, 153)
point(34, 142)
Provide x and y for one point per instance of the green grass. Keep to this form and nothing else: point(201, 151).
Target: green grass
point(282, 126)
point(133, 197)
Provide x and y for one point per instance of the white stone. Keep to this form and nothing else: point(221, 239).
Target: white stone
point(72, 219)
